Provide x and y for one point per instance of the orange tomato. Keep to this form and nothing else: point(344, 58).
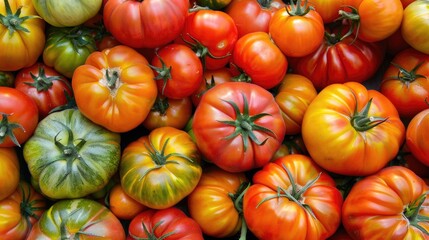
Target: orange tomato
point(122, 205)
point(9, 171)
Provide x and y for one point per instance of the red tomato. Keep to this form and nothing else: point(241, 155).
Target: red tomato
point(45, 86)
point(417, 136)
point(122, 205)
point(145, 24)
point(9, 171)
point(395, 43)
point(19, 117)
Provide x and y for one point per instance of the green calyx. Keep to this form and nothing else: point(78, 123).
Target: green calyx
point(151, 234)
point(27, 207)
point(161, 105)
point(13, 21)
point(407, 76)
point(362, 122)
point(245, 124)
point(162, 73)
point(265, 3)
point(352, 18)
point(237, 199)
point(6, 129)
point(42, 82)
point(411, 212)
point(298, 9)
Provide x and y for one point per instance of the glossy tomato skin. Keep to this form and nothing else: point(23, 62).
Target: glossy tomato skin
point(171, 222)
point(377, 206)
point(328, 9)
point(145, 24)
point(47, 87)
point(83, 218)
point(9, 171)
point(227, 144)
point(123, 206)
point(122, 99)
point(22, 117)
point(259, 59)
point(19, 48)
point(356, 127)
point(417, 138)
point(406, 82)
point(267, 194)
point(414, 25)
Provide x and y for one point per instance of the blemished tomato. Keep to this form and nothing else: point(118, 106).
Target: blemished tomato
point(115, 88)
point(9, 171)
point(19, 117)
point(259, 60)
point(22, 34)
point(123, 206)
point(20, 211)
point(47, 87)
point(238, 126)
point(304, 28)
point(356, 127)
point(417, 136)
point(391, 204)
point(145, 24)
point(170, 223)
point(292, 198)
point(415, 24)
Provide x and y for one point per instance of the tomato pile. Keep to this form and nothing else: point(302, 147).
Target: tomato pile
point(225, 119)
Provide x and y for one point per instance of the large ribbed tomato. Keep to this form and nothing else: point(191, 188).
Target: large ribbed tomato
point(417, 136)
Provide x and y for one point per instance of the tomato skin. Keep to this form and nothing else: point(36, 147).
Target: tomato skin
point(262, 201)
point(155, 23)
point(49, 90)
point(9, 171)
point(171, 222)
point(376, 206)
point(336, 120)
point(18, 109)
point(127, 103)
point(415, 14)
point(407, 89)
point(21, 49)
point(228, 146)
point(122, 205)
point(259, 59)
point(417, 138)
point(328, 9)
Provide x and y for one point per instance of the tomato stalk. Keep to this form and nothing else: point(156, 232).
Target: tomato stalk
point(163, 72)
point(362, 122)
point(151, 235)
point(13, 21)
point(237, 198)
point(406, 76)
point(411, 212)
point(298, 9)
point(27, 207)
point(265, 3)
point(161, 105)
point(70, 104)
point(42, 82)
point(6, 129)
point(352, 18)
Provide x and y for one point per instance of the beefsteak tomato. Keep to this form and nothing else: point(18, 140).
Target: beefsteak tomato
point(417, 136)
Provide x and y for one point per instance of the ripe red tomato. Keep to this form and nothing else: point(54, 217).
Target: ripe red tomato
point(417, 136)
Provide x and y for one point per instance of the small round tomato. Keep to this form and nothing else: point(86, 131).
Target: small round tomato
point(9, 171)
point(415, 24)
point(122, 205)
point(417, 136)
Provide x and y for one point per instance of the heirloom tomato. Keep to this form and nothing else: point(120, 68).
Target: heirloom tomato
point(19, 117)
point(297, 29)
point(406, 159)
point(216, 202)
point(292, 144)
point(259, 60)
point(115, 88)
point(170, 223)
point(69, 156)
point(20, 211)
point(417, 136)
point(9, 171)
point(77, 219)
point(214, 4)
point(395, 43)
point(415, 25)
point(145, 24)
point(391, 204)
point(210, 79)
point(350, 130)
point(238, 126)
point(161, 168)
point(66, 13)
point(252, 15)
point(45, 86)
point(328, 9)
point(406, 82)
point(292, 198)
point(22, 34)
point(122, 205)
point(293, 96)
point(6, 79)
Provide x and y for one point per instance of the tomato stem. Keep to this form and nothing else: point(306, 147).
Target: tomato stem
point(362, 122)
point(406, 76)
point(161, 105)
point(298, 9)
point(353, 19)
point(412, 213)
point(6, 129)
point(13, 21)
point(265, 3)
point(163, 72)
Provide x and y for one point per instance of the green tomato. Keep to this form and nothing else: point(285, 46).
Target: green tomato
point(69, 156)
point(67, 48)
point(67, 13)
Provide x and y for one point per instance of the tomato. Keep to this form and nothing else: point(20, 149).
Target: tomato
point(238, 126)
point(407, 159)
point(415, 24)
point(406, 82)
point(115, 88)
point(293, 96)
point(122, 205)
point(69, 156)
point(395, 43)
point(77, 218)
point(171, 223)
point(292, 144)
point(417, 138)
point(339, 60)
point(304, 28)
point(178, 71)
point(309, 201)
point(212, 35)
point(390, 204)
point(19, 117)
point(405, 3)
point(6, 79)
point(252, 15)
point(45, 86)
point(66, 13)
point(259, 60)
point(22, 34)
point(169, 112)
point(9, 171)
point(67, 48)
point(210, 79)
point(214, 4)
point(145, 24)
point(216, 202)
point(161, 168)
point(356, 127)
point(20, 211)
point(328, 9)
